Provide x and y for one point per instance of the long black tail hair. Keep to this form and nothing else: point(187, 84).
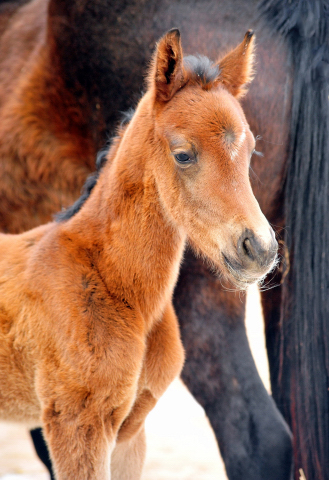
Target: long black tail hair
point(301, 383)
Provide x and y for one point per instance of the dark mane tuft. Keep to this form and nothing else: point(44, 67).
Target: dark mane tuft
point(201, 69)
point(86, 190)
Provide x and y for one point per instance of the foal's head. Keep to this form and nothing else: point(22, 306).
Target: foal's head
point(203, 149)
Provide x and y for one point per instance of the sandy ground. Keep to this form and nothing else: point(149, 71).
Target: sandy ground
point(181, 444)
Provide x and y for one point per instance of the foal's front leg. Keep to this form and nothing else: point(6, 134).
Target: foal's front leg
point(128, 458)
point(162, 363)
point(79, 445)
point(81, 421)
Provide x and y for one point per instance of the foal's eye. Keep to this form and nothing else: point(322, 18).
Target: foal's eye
point(182, 158)
point(185, 158)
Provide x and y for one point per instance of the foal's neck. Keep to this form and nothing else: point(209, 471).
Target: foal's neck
point(139, 248)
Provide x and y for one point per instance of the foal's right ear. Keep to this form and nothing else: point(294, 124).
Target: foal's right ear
point(236, 68)
point(167, 74)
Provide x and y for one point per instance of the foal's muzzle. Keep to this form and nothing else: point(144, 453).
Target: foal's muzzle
point(254, 257)
point(254, 253)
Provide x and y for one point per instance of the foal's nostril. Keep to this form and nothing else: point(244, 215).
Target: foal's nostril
point(247, 247)
point(253, 251)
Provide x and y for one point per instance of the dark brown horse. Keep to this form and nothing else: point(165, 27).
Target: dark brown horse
point(65, 76)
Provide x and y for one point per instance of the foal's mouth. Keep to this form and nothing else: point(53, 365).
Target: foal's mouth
point(243, 277)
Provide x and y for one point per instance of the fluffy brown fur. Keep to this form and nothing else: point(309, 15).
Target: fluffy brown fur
point(88, 336)
point(44, 131)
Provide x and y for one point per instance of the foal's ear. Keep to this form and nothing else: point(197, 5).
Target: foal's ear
point(236, 68)
point(167, 74)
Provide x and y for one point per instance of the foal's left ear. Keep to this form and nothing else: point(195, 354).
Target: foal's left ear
point(236, 68)
point(167, 74)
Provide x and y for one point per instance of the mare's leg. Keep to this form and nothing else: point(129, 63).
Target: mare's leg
point(220, 372)
point(128, 457)
point(42, 450)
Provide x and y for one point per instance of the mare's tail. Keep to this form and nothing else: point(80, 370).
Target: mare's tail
point(301, 382)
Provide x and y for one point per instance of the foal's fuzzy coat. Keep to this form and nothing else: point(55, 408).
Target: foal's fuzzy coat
point(88, 336)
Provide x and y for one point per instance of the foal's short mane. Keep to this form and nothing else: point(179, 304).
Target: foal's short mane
point(199, 70)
